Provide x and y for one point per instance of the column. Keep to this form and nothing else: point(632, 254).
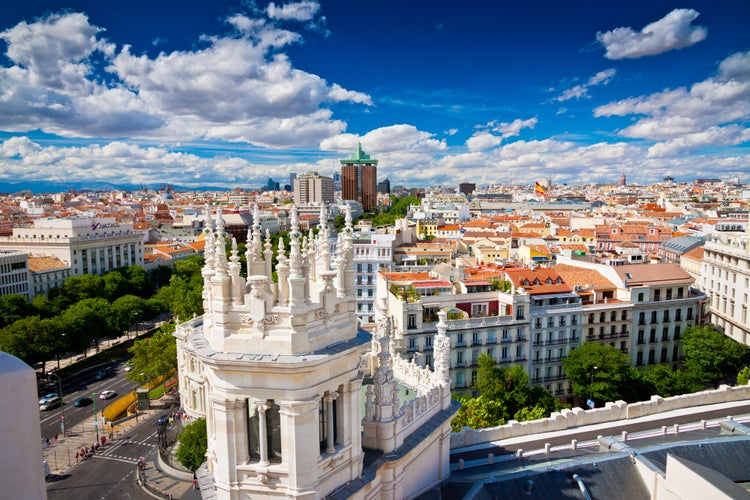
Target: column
point(329, 398)
point(261, 407)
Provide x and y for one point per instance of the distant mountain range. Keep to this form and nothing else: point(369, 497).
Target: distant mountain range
point(61, 187)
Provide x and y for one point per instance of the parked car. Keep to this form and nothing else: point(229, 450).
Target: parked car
point(107, 394)
point(82, 401)
point(51, 403)
point(46, 397)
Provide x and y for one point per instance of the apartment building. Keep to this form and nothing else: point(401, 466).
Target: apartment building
point(14, 273)
point(89, 245)
point(555, 314)
point(725, 276)
point(481, 319)
point(313, 188)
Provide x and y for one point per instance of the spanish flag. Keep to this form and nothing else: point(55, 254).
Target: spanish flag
point(540, 189)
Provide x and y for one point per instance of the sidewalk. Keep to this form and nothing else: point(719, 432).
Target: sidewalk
point(61, 457)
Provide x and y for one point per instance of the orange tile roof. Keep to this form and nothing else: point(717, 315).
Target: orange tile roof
point(41, 264)
point(582, 276)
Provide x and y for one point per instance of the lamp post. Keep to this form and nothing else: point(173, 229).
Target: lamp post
point(591, 387)
point(62, 404)
point(96, 423)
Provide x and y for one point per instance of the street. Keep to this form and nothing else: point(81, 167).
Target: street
point(111, 472)
point(84, 386)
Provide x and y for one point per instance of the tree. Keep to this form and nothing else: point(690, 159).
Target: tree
point(154, 356)
point(743, 377)
point(478, 413)
point(126, 310)
point(665, 382)
point(14, 307)
point(505, 395)
point(87, 321)
point(710, 355)
point(191, 451)
point(600, 371)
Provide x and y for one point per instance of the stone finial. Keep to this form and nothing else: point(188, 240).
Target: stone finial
point(442, 348)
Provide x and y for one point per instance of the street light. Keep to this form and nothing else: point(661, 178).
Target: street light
point(96, 424)
point(591, 388)
point(62, 403)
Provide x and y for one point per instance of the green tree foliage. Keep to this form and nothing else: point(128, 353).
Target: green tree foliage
point(478, 413)
point(191, 451)
point(602, 372)
point(86, 321)
point(663, 381)
point(126, 310)
point(505, 395)
point(743, 377)
point(399, 208)
point(710, 355)
point(154, 356)
point(14, 307)
point(77, 288)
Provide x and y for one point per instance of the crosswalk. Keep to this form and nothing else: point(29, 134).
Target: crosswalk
point(121, 450)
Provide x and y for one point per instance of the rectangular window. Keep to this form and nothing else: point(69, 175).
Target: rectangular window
point(411, 321)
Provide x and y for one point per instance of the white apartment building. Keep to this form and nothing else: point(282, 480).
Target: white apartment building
point(480, 320)
point(14, 273)
point(373, 251)
point(313, 188)
point(726, 278)
point(89, 245)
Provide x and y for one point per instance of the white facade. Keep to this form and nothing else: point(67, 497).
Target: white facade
point(277, 371)
point(726, 279)
point(21, 468)
point(313, 188)
point(89, 245)
point(14, 273)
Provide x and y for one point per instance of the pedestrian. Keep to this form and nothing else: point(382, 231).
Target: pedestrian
point(46, 442)
point(77, 455)
point(104, 440)
point(55, 438)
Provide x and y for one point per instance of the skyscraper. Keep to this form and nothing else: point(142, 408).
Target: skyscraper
point(313, 188)
point(359, 175)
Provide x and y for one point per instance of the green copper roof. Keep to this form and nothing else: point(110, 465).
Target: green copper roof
point(358, 157)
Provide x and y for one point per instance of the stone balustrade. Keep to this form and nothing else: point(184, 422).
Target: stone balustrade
point(619, 410)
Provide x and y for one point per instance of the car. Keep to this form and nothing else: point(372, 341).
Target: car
point(104, 372)
point(82, 401)
point(46, 397)
point(107, 394)
point(129, 366)
point(51, 403)
point(162, 420)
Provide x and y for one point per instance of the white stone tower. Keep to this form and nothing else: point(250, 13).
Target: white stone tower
point(276, 369)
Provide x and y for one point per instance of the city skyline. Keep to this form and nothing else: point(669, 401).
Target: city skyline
point(228, 94)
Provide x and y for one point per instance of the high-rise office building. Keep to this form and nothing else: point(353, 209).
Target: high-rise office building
point(313, 188)
point(359, 175)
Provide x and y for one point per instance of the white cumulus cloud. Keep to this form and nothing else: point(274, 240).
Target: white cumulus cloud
point(700, 111)
point(673, 31)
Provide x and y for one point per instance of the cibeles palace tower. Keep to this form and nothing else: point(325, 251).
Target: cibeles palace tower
point(282, 373)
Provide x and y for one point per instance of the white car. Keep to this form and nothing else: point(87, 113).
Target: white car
point(46, 398)
point(50, 403)
point(107, 394)
point(129, 367)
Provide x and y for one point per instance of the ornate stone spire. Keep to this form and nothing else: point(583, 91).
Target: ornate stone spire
point(295, 255)
point(442, 348)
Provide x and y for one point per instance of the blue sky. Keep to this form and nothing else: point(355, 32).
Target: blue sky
point(228, 93)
